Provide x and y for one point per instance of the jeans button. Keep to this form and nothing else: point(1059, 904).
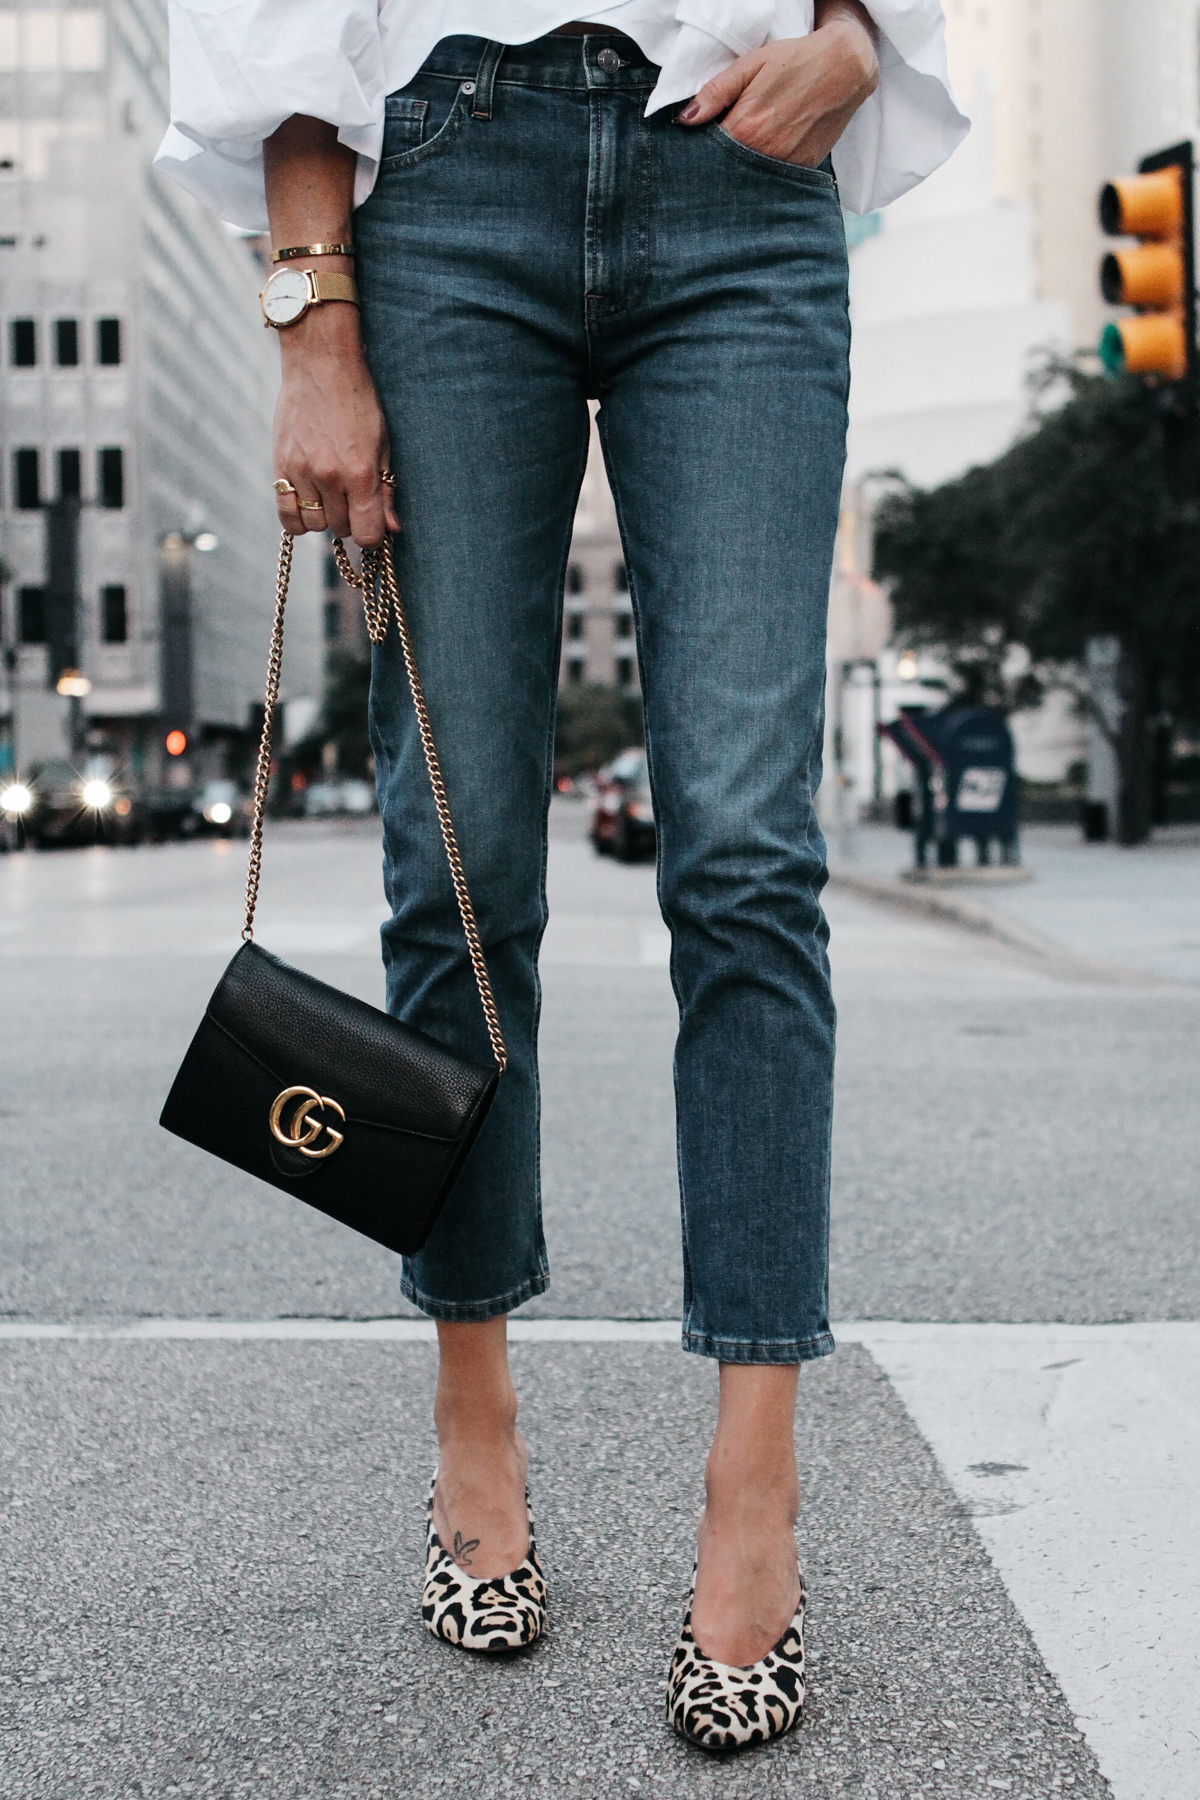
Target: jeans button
point(609, 61)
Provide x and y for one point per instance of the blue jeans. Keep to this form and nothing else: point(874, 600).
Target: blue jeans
point(535, 240)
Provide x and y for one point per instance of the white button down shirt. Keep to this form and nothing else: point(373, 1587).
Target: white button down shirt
point(239, 68)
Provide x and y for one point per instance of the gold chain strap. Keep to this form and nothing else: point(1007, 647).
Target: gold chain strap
point(262, 774)
point(381, 600)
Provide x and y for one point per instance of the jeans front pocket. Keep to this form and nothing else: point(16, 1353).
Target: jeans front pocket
point(420, 120)
point(822, 178)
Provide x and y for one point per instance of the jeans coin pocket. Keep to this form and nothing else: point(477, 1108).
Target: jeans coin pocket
point(413, 123)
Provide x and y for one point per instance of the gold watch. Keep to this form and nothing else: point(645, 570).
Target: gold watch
point(290, 292)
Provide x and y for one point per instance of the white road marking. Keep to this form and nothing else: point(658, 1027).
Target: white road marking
point(351, 1331)
point(1076, 1448)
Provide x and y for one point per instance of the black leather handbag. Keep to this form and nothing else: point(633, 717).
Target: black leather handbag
point(335, 1102)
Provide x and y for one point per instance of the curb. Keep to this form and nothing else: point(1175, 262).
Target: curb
point(969, 915)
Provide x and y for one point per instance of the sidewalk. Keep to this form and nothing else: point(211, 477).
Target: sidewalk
point(1129, 910)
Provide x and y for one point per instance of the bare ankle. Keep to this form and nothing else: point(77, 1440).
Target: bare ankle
point(763, 1487)
point(475, 1400)
point(468, 1419)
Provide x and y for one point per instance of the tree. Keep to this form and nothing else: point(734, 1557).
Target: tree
point(1080, 530)
point(594, 722)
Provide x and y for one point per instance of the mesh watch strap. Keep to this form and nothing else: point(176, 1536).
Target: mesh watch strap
point(329, 286)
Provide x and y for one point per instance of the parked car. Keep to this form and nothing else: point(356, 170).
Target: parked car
point(60, 804)
point(622, 812)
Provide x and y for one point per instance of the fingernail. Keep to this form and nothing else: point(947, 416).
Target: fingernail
point(691, 111)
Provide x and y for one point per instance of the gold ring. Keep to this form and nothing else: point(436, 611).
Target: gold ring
point(386, 475)
point(311, 505)
point(283, 486)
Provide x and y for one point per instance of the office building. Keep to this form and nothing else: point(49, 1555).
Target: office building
point(137, 385)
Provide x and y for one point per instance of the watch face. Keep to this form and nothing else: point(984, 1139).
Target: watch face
point(285, 296)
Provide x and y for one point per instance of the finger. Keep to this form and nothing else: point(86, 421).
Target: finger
point(290, 516)
point(365, 493)
point(369, 522)
point(717, 95)
point(336, 509)
point(310, 506)
point(388, 484)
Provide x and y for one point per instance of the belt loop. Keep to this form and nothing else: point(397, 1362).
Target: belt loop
point(489, 62)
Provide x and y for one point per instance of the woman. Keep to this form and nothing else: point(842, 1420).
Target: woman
point(533, 219)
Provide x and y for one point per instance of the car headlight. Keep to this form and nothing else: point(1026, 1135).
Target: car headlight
point(97, 795)
point(16, 798)
point(220, 813)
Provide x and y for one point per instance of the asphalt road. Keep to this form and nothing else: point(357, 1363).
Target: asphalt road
point(1010, 1145)
point(211, 1550)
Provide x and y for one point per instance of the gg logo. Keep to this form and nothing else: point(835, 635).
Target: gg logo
point(303, 1130)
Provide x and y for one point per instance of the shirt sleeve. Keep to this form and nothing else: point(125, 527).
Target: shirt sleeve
point(239, 68)
point(912, 122)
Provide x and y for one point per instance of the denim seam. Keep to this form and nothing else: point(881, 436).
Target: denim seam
point(473, 1311)
point(614, 482)
point(758, 1350)
point(547, 790)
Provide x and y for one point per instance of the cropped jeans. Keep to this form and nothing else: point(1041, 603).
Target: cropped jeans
point(535, 241)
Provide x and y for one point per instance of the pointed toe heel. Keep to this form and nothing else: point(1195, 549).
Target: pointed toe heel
point(505, 1613)
point(720, 1707)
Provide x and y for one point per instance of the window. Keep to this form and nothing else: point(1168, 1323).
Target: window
point(624, 671)
point(575, 670)
point(108, 341)
point(621, 578)
point(574, 579)
point(70, 479)
point(575, 626)
point(66, 343)
point(623, 625)
point(333, 621)
point(23, 343)
point(27, 481)
point(112, 478)
point(114, 614)
point(31, 615)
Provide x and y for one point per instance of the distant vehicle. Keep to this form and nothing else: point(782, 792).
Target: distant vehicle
point(326, 799)
point(170, 812)
point(15, 799)
point(220, 807)
point(622, 812)
point(58, 804)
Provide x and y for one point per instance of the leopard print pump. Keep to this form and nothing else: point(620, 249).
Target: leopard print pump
point(724, 1708)
point(502, 1614)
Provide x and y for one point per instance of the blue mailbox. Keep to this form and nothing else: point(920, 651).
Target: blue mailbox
point(966, 765)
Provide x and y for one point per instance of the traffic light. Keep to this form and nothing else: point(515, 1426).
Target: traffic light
point(1157, 276)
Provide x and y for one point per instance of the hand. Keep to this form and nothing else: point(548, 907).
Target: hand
point(331, 441)
point(792, 100)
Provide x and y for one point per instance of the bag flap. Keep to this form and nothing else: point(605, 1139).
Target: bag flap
point(377, 1069)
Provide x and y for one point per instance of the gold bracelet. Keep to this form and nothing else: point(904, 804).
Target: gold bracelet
point(312, 250)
